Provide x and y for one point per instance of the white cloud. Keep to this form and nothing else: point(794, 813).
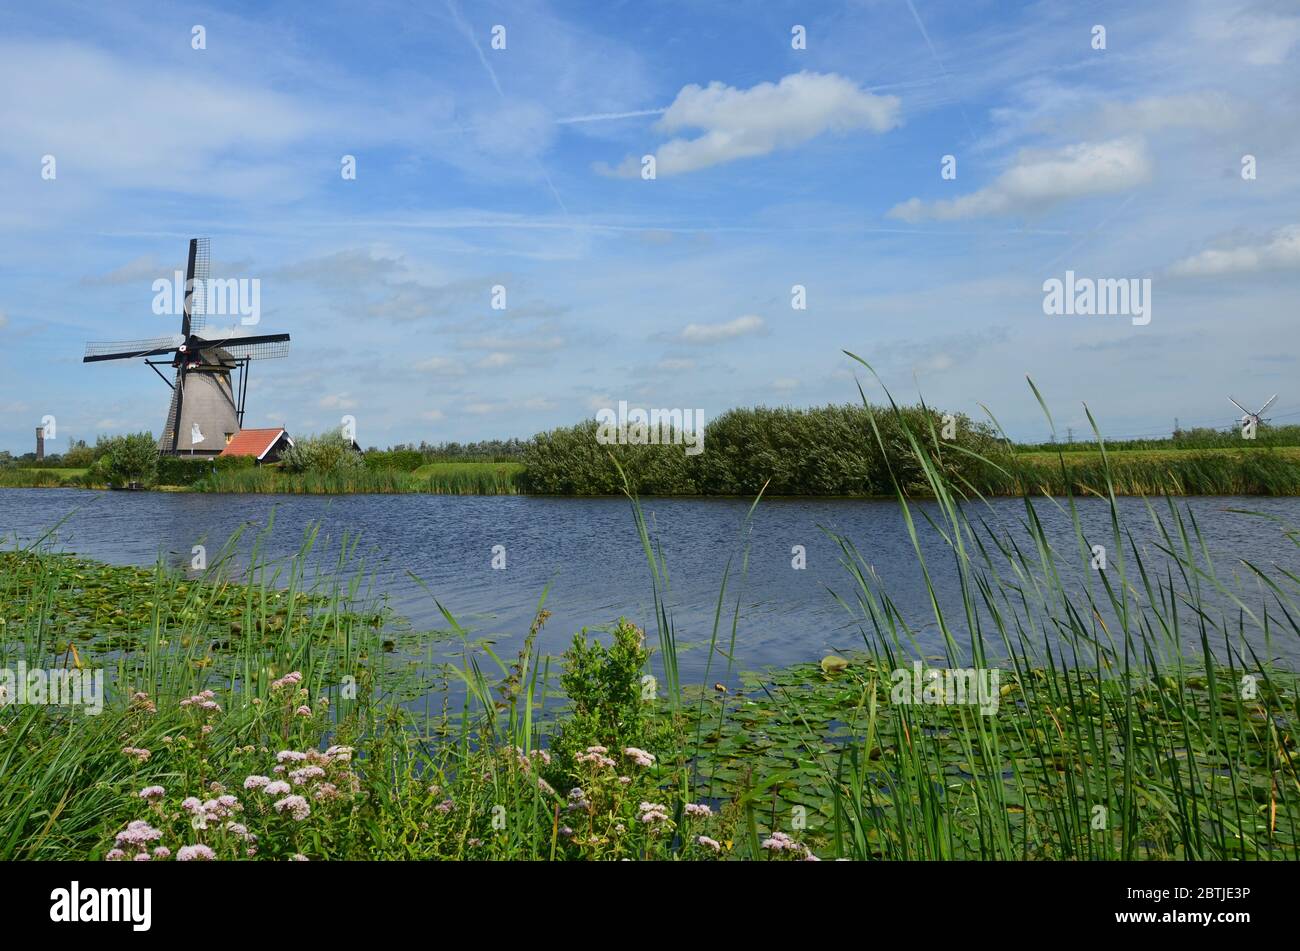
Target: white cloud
point(336, 401)
point(143, 269)
point(1282, 251)
point(1215, 111)
point(712, 333)
point(672, 364)
point(1041, 179)
point(508, 406)
point(495, 361)
point(441, 366)
point(513, 343)
point(1263, 37)
point(745, 123)
point(117, 121)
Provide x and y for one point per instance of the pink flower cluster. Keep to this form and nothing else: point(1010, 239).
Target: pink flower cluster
point(137, 754)
point(291, 679)
point(296, 806)
point(640, 757)
point(300, 776)
point(213, 810)
point(708, 843)
point(698, 809)
point(204, 701)
point(651, 812)
point(138, 834)
point(595, 754)
point(780, 842)
point(195, 853)
point(152, 793)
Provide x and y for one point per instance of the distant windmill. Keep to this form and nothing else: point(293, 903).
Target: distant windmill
point(1250, 421)
point(206, 410)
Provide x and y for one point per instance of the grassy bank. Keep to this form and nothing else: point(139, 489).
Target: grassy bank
point(13, 477)
point(443, 478)
point(1137, 713)
point(1255, 471)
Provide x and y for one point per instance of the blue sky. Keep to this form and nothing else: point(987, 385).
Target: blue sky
point(520, 167)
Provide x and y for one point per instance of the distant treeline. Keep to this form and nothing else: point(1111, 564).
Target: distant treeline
point(1200, 438)
point(407, 457)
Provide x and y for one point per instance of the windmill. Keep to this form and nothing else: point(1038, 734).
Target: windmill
point(1250, 421)
point(206, 409)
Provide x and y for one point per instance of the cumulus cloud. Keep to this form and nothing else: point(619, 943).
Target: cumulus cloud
point(1039, 180)
point(712, 333)
point(1281, 251)
point(746, 123)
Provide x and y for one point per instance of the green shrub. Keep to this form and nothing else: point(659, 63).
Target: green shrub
point(606, 708)
point(330, 452)
point(128, 460)
point(828, 450)
point(400, 460)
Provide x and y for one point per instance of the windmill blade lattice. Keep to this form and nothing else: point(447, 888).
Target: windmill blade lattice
point(202, 275)
point(130, 349)
point(263, 347)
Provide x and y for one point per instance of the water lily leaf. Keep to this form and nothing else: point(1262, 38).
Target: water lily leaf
point(833, 664)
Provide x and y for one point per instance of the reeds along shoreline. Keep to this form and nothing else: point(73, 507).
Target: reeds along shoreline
point(483, 479)
point(1166, 732)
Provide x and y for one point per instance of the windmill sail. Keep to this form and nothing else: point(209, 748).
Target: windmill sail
point(130, 349)
point(261, 347)
point(196, 296)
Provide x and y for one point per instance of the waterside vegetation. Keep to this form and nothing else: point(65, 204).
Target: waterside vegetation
point(821, 451)
point(267, 713)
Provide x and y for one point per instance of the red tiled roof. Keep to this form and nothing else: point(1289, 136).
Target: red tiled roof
point(252, 442)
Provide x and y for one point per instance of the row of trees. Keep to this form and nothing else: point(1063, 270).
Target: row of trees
point(487, 450)
point(829, 450)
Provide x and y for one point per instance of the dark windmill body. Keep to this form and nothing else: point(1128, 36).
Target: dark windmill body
point(207, 403)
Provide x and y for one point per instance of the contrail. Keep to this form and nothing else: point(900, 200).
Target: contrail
point(469, 35)
point(602, 116)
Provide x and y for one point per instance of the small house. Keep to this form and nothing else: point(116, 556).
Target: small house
point(264, 445)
